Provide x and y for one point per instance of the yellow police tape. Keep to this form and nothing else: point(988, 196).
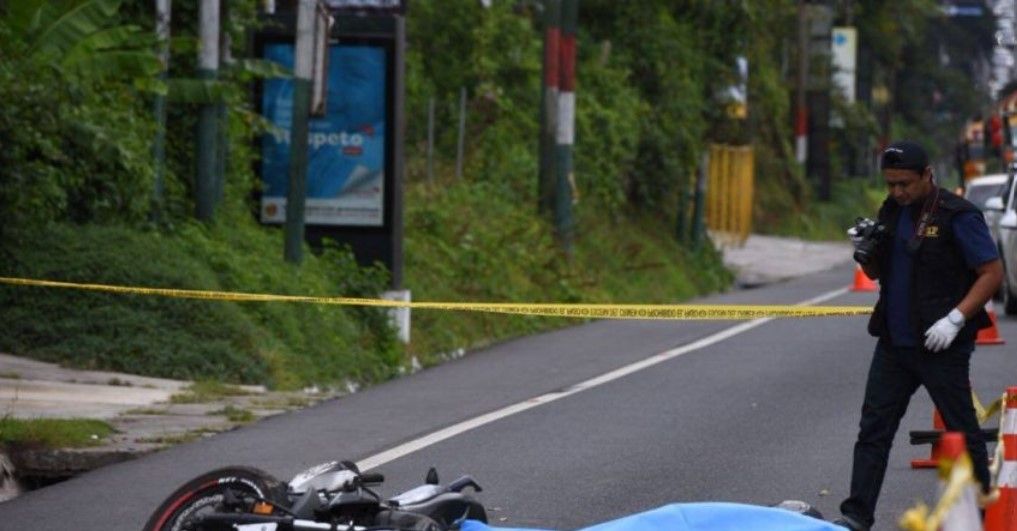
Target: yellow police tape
point(985, 413)
point(596, 311)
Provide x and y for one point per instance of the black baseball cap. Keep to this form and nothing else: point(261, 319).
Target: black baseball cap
point(904, 155)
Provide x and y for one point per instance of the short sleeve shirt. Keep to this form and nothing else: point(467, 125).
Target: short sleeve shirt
point(972, 236)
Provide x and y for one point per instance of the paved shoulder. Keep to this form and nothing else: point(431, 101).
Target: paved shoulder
point(768, 259)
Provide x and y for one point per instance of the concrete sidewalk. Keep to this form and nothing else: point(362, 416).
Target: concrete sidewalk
point(36, 389)
point(146, 413)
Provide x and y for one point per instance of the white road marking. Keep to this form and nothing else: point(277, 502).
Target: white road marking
point(446, 433)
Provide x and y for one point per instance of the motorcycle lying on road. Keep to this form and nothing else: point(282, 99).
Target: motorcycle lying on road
point(330, 496)
point(336, 496)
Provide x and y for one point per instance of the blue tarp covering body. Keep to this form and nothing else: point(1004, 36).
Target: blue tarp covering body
point(699, 517)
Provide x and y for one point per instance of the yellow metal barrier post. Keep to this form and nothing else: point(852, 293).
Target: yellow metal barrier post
point(731, 187)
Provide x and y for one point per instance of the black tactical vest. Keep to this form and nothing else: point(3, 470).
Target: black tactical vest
point(940, 277)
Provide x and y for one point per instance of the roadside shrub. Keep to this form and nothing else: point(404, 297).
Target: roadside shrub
point(276, 343)
point(468, 244)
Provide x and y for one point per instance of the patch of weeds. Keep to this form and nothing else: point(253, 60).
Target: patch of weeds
point(234, 414)
point(178, 438)
point(147, 411)
point(54, 433)
point(118, 382)
point(283, 402)
point(10, 375)
point(206, 391)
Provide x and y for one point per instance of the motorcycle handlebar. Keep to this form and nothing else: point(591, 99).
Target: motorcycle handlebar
point(372, 478)
point(463, 482)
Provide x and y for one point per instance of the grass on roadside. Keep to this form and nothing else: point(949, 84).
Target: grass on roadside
point(279, 345)
point(234, 414)
point(207, 391)
point(147, 411)
point(54, 433)
point(169, 439)
point(282, 402)
point(472, 242)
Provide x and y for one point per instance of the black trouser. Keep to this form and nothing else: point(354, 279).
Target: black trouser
point(894, 376)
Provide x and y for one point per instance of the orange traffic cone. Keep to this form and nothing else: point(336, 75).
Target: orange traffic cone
point(862, 281)
point(963, 515)
point(957, 509)
point(919, 437)
point(1001, 515)
point(990, 335)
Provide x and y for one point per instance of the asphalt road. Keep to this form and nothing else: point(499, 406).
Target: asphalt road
point(762, 416)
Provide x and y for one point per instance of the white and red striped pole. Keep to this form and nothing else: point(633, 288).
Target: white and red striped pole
point(549, 107)
point(801, 108)
point(801, 134)
point(566, 124)
point(1001, 515)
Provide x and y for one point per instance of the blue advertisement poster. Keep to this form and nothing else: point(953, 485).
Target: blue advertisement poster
point(346, 147)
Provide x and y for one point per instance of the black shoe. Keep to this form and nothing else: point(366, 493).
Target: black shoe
point(849, 523)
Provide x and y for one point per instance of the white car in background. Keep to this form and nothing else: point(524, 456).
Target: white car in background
point(978, 190)
point(1006, 238)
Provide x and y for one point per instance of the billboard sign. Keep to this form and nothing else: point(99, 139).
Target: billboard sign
point(346, 163)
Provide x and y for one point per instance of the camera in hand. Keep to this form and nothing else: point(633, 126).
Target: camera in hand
point(869, 234)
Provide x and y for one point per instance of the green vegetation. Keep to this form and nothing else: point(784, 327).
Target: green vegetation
point(53, 433)
point(78, 202)
point(178, 438)
point(457, 254)
point(281, 402)
point(206, 391)
point(234, 414)
point(148, 411)
point(278, 344)
point(825, 220)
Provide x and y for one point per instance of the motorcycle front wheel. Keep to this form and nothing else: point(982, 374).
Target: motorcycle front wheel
point(207, 492)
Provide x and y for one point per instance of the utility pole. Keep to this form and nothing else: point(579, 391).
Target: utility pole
point(303, 54)
point(565, 181)
point(549, 108)
point(818, 97)
point(801, 108)
point(222, 113)
point(207, 137)
point(162, 33)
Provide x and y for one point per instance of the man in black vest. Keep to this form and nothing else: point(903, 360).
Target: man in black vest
point(937, 266)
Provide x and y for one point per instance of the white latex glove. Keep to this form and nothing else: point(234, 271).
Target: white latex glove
point(939, 336)
point(855, 237)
